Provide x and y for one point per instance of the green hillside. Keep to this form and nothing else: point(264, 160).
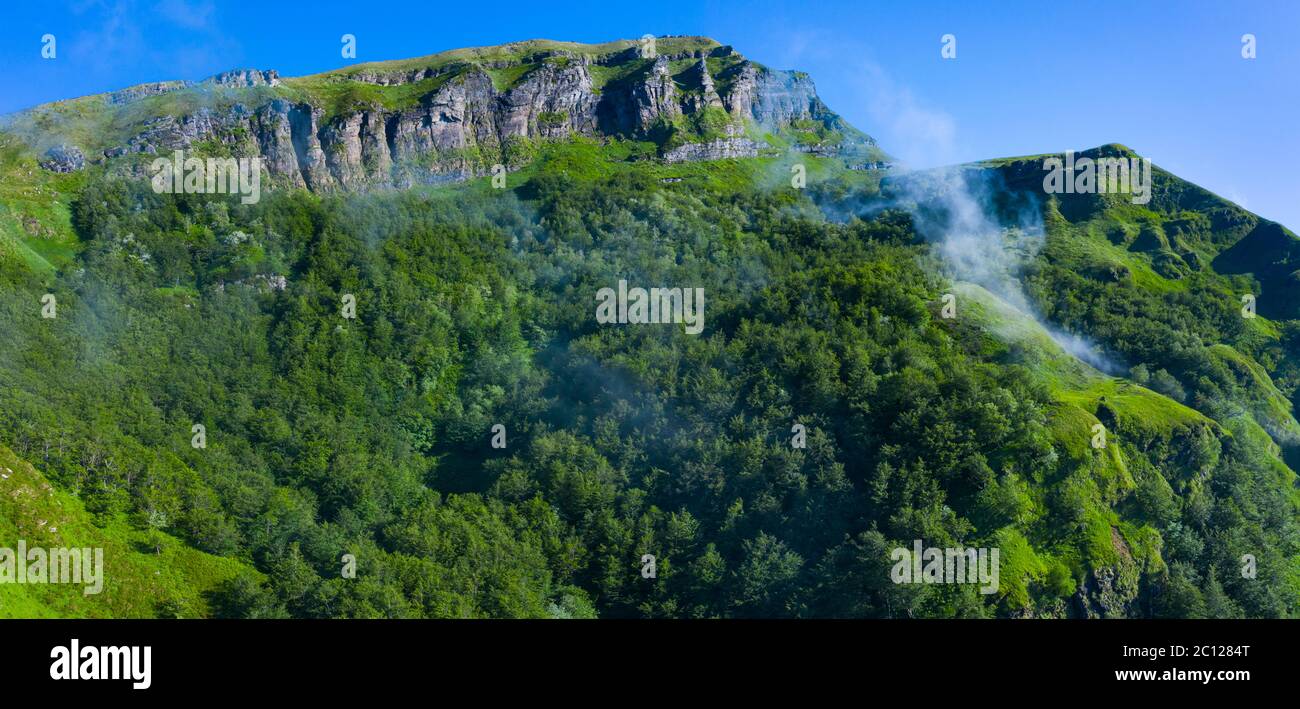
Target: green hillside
point(147, 573)
point(372, 436)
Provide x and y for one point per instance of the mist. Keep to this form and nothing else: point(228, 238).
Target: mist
point(986, 235)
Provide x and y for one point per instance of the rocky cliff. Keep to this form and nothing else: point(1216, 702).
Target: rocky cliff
point(456, 114)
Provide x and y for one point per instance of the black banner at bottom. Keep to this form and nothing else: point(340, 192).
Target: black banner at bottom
point(242, 658)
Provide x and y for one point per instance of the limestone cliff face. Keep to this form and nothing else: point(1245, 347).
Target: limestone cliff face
point(466, 120)
point(246, 77)
point(708, 94)
point(653, 98)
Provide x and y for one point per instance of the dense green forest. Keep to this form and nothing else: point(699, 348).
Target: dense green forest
point(372, 436)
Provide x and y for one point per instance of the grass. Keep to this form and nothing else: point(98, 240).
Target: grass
point(1103, 478)
point(1138, 409)
point(518, 51)
point(1269, 405)
point(338, 96)
point(591, 160)
point(506, 78)
point(35, 214)
point(145, 570)
point(1019, 565)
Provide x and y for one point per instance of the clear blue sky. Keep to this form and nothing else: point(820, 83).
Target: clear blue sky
point(1165, 78)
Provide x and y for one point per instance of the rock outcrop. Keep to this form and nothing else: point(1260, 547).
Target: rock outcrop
point(63, 158)
point(135, 93)
point(473, 114)
point(246, 77)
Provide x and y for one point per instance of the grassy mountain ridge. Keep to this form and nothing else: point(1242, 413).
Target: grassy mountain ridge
point(371, 436)
point(450, 115)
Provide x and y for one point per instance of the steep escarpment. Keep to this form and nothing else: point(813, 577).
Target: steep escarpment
point(454, 115)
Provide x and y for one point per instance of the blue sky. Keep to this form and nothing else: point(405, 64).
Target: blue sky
point(1165, 78)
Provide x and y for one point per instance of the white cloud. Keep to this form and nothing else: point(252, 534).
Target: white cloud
point(917, 134)
point(192, 15)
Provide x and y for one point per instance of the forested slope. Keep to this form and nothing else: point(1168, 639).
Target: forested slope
point(327, 435)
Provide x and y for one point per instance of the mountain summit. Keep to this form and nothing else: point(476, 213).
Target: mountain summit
point(455, 114)
point(627, 379)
